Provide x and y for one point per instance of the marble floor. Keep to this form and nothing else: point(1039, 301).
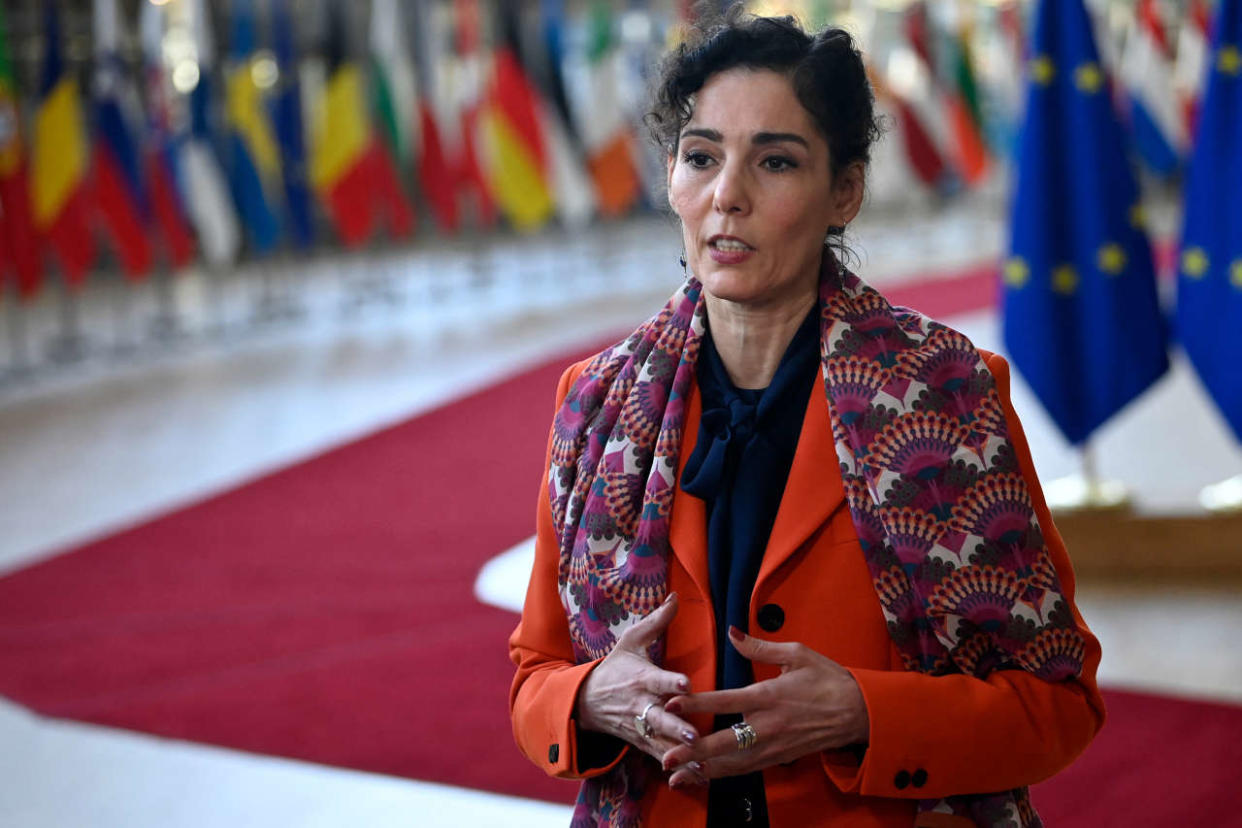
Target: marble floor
point(271, 365)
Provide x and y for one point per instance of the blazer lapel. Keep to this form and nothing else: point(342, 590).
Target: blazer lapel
point(688, 522)
point(814, 489)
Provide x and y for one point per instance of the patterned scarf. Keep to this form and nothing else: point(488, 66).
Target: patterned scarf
point(931, 479)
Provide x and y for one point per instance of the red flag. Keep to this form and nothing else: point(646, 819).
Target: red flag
point(435, 175)
point(166, 205)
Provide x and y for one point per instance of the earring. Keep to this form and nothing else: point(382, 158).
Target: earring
point(836, 229)
point(682, 259)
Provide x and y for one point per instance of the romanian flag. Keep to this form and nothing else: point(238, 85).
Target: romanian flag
point(60, 163)
point(120, 197)
point(350, 166)
point(17, 233)
point(254, 159)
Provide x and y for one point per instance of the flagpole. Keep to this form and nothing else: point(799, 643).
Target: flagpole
point(121, 318)
point(19, 362)
point(165, 325)
point(69, 345)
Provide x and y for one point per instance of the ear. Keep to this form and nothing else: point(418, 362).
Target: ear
point(847, 192)
point(668, 180)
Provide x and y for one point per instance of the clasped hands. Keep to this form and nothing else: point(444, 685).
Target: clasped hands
point(814, 704)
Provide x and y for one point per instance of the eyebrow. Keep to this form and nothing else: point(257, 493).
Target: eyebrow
point(760, 137)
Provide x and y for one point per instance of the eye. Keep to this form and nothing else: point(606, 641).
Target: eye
point(778, 163)
point(697, 159)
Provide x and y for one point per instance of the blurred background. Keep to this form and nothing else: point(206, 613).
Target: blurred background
point(280, 278)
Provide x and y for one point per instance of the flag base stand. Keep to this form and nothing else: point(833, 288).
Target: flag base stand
point(1086, 491)
point(1224, 497)
point(275, 302)
point(1082, 493)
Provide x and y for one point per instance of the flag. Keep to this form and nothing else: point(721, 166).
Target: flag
point(210, 206)
point(17, 232)
point(571, 184)
point(350, 166)
point(60, 162)
point(1081, 317)
point(286, 116)
point(511, 140)
point(120, 193)
point(435, 164)
point(1191, 66)
point(394, 84)
point(600, 119)
point(1209, 288)
point(159, 148)
point(253, 157)
point(1157, 122)
point(466, 94)
point(965, 116)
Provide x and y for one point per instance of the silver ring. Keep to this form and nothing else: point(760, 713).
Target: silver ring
point(642, 725)
point(745, 735)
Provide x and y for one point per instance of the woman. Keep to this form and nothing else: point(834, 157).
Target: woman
point(781, 452)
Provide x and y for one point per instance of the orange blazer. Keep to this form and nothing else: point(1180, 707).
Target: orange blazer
point(931, 736)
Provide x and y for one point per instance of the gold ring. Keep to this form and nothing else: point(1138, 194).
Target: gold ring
point(642, 725)
point(745, 735)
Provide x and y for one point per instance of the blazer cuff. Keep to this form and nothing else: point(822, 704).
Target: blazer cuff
point(570, 754)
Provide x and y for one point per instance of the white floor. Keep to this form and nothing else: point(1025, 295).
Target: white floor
point(136, 428)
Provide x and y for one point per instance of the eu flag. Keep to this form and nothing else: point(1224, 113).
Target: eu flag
point(1081, 315)
point(1209, 288)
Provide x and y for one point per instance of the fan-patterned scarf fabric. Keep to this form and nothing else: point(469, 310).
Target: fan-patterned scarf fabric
point(931, 479)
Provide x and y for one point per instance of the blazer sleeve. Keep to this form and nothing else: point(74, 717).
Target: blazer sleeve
point(935, 736)
point(545, 687)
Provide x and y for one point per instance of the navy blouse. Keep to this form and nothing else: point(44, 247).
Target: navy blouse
point(746, 444)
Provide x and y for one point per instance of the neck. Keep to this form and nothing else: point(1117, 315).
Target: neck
point(752, 340)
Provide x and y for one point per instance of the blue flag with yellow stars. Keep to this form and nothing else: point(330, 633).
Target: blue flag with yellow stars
point(1081, 315)
point(1209, 287)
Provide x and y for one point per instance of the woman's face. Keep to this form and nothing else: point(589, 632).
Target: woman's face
point(751, 182)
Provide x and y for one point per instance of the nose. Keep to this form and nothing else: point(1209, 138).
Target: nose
point(731, 194)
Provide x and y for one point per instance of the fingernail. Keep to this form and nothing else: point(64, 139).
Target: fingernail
point(688, 737)
point(669, 597)
point(697, 767)
point(683, 684)
point(735, 633)
point(672, 706)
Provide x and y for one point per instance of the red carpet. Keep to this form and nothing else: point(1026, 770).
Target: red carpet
point(325, 612)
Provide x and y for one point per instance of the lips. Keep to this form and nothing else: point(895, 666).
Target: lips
point(728, 244)
point(728, 250)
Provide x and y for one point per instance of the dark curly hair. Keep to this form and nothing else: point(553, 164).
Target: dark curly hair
point(826, 70)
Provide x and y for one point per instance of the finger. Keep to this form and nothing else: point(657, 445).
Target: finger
point(737, 700)
point(643, 634)
point(664, 683)
point(675, 728)
point(694, 773)
point(709, 750)
point(782, 653)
